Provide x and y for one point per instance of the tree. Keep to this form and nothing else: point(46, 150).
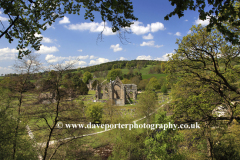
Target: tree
point(128, 65)
point(207, 58)
point(94, 112)
point(164, 142)
point(80, 87)
point(207, 78)
point(114, 66)
point(153, 84)
point(8, 122)
point(222, 11)
point(86, 77)
point(164, 89)
point(142, 84)
point(147, 103)
point(26, 18)
point(126, 81)
point(135, 80)
point(114, 73)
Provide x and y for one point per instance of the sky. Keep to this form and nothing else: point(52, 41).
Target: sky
point(72, 38)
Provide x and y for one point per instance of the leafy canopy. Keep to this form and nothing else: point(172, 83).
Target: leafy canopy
point(222, 11)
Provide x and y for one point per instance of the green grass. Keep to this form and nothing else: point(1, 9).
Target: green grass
point(143, 70)
point(91, 92)
point(147, 76)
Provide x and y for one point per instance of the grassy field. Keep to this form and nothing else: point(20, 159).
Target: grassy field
point(144, 72)
point(147, 76)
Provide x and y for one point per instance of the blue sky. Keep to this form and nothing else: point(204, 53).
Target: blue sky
point(73, 37)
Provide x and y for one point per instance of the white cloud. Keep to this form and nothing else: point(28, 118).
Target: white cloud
point(203, 23)
point(165, 57)
point(169, 33)
point(51, 58)
point(93, 57)
point(143, 57)
point(158, 46)
point(64, 20)
point(189, 32)
point(98, 61)
point(48, 26)
point(45, 39)
point(186, 20)
point(149, 36)
point(116, 47)
point(80, 50)
point(8, 54)
point(151, 44)
point(157, 26)
point(79, 57)
point(6, 70)
point(3, 18)
point(75, 63)
point(177, 34)
point(46, 50)
point(122, 58)
point(92, 27)
point(138, 29)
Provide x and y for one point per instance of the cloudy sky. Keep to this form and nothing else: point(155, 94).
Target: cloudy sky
point(73, 37)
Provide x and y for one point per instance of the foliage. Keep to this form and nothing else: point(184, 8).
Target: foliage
point(94, 84)
point(164, 89)
point(114, 66)
point(94, 112)
point(164, 143)
point(135, 80)
point(222, 12)
point(142, 84)
point(30, 17)
point(114, 73)
point(205, 59)
point(153, 84)
point(147, 103)
point(86, 77)
point(203, 67)
point(8, 123)
point(126, 81)
point(109, 112)
point(129, 144)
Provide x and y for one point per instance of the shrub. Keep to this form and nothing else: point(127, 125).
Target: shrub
point(94, 112)
point(164, 89)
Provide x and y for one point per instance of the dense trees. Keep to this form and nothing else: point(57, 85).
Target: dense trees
point(153, 84)
point(114, 73)
point(86, 77)
point(203, 67)
point(163, 144)
point(207, 59)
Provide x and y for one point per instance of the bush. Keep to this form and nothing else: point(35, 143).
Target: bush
point(164, 89)
point(94, 112)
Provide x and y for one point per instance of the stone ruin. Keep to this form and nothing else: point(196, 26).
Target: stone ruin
point(47, 98)
point(117, 91)
point(90, 84)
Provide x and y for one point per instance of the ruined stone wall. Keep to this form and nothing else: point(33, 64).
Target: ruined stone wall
point(117, 91)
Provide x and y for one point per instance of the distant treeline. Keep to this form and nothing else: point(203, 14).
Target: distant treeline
point(121, 64)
